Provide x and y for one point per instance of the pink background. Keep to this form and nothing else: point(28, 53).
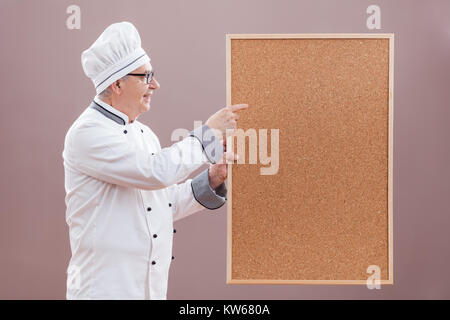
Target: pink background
point(44, 89)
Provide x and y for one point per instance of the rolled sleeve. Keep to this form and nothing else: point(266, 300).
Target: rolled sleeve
point(210, 143)
point(205, 195)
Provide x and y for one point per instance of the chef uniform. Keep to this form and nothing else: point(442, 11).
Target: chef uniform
point(123, 191)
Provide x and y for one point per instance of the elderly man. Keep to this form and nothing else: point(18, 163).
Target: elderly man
point(123, 191)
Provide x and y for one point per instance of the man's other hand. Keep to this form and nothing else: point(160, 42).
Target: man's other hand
point(218, 172)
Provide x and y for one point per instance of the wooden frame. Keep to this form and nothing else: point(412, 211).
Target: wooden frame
point(389, 36)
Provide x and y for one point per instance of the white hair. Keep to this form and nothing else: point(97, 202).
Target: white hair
point(107, 92)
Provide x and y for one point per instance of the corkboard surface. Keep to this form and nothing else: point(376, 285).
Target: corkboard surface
point(325, 214)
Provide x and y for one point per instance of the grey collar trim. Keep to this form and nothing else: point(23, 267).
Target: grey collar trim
point(107, 113)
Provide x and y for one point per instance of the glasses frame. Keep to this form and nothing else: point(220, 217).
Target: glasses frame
point(148, 76)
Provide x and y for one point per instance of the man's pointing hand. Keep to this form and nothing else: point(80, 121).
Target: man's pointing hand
point(225, 118)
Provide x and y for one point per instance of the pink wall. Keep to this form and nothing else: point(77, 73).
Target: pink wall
point(43, 90)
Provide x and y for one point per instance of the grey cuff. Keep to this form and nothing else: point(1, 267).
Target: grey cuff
point(205, 195)
point(210, 143)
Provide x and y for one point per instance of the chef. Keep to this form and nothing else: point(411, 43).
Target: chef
point(123, 191)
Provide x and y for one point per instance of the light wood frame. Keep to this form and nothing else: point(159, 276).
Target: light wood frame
point(389, 36)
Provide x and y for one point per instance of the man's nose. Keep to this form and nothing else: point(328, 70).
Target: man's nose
point(154, 84)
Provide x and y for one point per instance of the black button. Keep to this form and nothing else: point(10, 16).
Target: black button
point(142, 131)
point(149, 209)
point(170, 204)
point(125, 131)
point(174, 230)
point(155, 235)
point(153, 262)
point(153, 154)
point(173, 257)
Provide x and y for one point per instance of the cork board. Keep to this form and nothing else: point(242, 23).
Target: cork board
point(325, 216)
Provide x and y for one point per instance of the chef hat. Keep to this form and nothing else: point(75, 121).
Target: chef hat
point(114, 54)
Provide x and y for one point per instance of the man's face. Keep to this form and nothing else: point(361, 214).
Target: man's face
point(136, 93)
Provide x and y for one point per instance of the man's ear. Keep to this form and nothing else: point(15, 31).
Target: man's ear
point(115, 86)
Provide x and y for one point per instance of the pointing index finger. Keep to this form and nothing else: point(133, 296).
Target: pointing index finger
point(237, 107)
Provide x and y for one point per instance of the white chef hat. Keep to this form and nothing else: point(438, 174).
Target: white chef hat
point(114, 54)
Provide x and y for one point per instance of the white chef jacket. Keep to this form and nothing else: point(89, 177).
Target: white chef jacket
point(123, 193)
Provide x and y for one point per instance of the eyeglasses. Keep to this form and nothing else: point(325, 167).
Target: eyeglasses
point(148, 76)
